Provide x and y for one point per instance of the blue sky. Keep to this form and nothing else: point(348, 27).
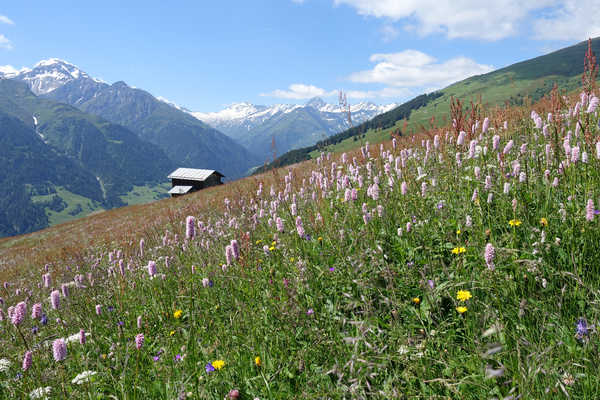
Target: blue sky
point(204, 54)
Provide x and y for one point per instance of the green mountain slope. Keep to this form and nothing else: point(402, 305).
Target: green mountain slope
point(59, 163)
point(115, 155)
point(531, 78)
point(29, 168)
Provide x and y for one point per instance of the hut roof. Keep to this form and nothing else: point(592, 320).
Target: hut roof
point(193, 174)
point(180, 189)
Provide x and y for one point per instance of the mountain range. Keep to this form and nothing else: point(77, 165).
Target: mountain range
point(287, 126)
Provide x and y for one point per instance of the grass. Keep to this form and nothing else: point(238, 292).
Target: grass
point(75, 206)
point(386, 292)
point(146, 194)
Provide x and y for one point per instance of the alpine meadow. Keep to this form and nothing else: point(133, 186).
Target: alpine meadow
point(446, 246)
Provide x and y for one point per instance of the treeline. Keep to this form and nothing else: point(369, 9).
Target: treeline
point(382, 121)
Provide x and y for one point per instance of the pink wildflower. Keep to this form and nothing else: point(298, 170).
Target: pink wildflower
point(151, 268)
point(299, 227)
point(190, 227)
point(36, 311)
point(27, 360)
point(59, 349)
point(18, 314)
point(490, 252)
point(55, 299)
point(139, 340)
point(589, 210)
point(228, 254)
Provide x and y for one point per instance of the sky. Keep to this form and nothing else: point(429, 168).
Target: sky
point(205, 55)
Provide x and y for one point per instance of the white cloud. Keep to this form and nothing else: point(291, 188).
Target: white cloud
point(5, 20)
point(387, 92)
point(486, 20)
point(299, 91)
point(571, 20)
point(5, 43)
point(389, 32)
point(412, 68)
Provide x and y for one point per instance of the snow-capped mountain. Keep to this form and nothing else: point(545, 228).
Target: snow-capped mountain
point(254, 126)
point(48, 75)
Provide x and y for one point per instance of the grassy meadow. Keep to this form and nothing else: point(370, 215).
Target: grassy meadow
point(458, 263)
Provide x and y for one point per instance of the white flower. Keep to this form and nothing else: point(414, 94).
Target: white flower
point(83, 377)
point(75, 337)
point(4, 364)
point(40, 393)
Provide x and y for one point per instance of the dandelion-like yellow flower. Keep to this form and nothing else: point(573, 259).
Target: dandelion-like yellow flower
point(271, 248)
point(458, 231)
point(218, 364)
point(177, 314)
point(259, 241)
point(461, 309)
point(171, 333)
point(514, 222)
point(291, 259)
point(257, 361)
point(273, 243)
point(544, 221)
point(416, 300)
point(320, 239)
point(463, 295)
point(458, 250)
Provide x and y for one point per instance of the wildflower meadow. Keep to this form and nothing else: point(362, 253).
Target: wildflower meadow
point(460, 263)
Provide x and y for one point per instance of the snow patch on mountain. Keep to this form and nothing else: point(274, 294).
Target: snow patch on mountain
point(247, 116)
point(48, 75)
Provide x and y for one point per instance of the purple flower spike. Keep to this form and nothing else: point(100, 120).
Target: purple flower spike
point(582, 328)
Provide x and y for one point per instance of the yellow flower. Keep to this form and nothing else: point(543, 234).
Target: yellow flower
point(544, 221)
point(218, 364)
point(461, 309)
point(259, 241)
point(257, 361)
point(416, 300)
point(171, 333)
point(103, 356)
point(463, 295)
point(320, 239)
point(271, 248)
point(273, 243)
point(291, 259)
point(458, 250)
point(177, 314)
point(458, 231)
point(514, 222)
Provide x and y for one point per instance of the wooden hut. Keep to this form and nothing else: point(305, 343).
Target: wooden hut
point(188, 180)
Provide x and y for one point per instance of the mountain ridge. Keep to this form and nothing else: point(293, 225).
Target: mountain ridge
point(187, 141)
